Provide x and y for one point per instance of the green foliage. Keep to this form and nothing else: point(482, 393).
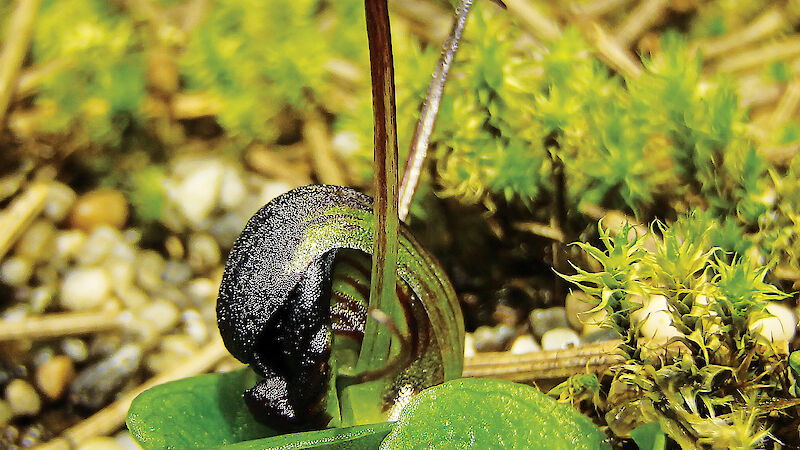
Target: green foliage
point(98, 86)
point(717, 374)
point(485, 413)
point(146, 193)
point(650, 437)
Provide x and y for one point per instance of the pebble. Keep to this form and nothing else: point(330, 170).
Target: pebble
point(194, 326)
point(84, 288)
point(163, 315)
point(469, 346)
point(98, 245)
point(132, 297)
point(270, 190)
point(233, 191)
point(176, 272)
point(41, 298)
point(5, 413)
point(174, 247)
point(37, 242)
point(60, 198)
point(204, 252)
point(32, 435)
point(99, 207)
point(201, 290)
point(75, 348)
point(576, 305)
point(120, 272)
point(67, 244)
point(492, 339)
point(560, 338)
point(543, 320)
point(524, 344)
point(99, 382)
point(16, 271)
point(125, 441)
point(599, 334)
point(780, 328)
point(228, 227)
point(53, 377)
point(149, 267)
point(655, 321)
point(100, 443)
point(22, 398)
point(196, 195)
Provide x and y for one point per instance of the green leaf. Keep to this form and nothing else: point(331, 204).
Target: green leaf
point(649, 437)
point(485, 413)
point(198, 412)
point(360, 437)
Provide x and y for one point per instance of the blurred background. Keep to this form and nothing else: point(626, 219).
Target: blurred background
point(138, 136)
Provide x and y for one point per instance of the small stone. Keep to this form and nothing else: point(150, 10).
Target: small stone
point(176, 272)
point(120, 272)
point(37, 242)
point(5, 413)
point(99, 207)
point(132, 297)
point(228, 227)
point(98, 383)
point(577, 304)
point(75, 348)
point(524, 344)
point(41, 298)
point(174, 247)
point(599, 335)
point(16, 271)
point(469, 346)
point(99, 443)
point(162, 314)
point(272, 189)
point(204, 252)
point(84, 289)
point(196, 195)
point(125, 441)
point(149, 267)
point(53, 377)
point(492, 339)
point(32, 435)
point(560, 338)
point(201, 290)
point(656, 321)
point(22, 398)
point(60, 198)
point(543, 320)
point(194, 326)
point(233, 190)
point(98, 245)
point(68, 244)
point(781, 328)
point(16, 313)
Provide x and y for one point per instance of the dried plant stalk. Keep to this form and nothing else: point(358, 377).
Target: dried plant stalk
point(768, 23)
point(644, 16)
point(20, 214)
point(757, 57)
point(58, 325)
point(533, 20)
point(17, 40)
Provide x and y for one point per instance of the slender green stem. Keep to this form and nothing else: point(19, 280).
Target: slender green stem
point(384, 256)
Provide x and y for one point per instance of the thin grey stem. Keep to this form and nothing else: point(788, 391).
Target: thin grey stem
point(430, 110)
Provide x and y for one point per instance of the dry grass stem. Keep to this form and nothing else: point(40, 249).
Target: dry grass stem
point(646, 14)
point(758, 57)
point(58, 325)
point(787, 105)
point(609, 51)
point(765, 25)
point(18, 216)
point(17, 41)
point(598, 7)
point(541, 229)
point(544, 365)
point(323, 160)
point(270, 163)
point(534, 21)
point(112, 417)
point(195, 105)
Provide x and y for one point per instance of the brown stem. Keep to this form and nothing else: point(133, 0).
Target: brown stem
point(430, 110)
point(384, 255)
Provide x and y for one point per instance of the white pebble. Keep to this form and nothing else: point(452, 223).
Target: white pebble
point(780, 328)
point(75, 348)
point(125, 441)
point(524, 344)
point(576, 305)
point(16, 271)
point(656, 321)
point(560, 338)
point(84, 288)
point(68, 243)
point(149, 268)
point(99, 244)
point(22, 398)
point(233, 190)
point(204, 252)
point(60, 198)
point(194, 326)
point(546, 319)
point(41, 298)
point(132, 297)
point(162, 314)
point(469, 346)
point(201, 290)
point(120, 272)
point(196, 195)
point(272, 189)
